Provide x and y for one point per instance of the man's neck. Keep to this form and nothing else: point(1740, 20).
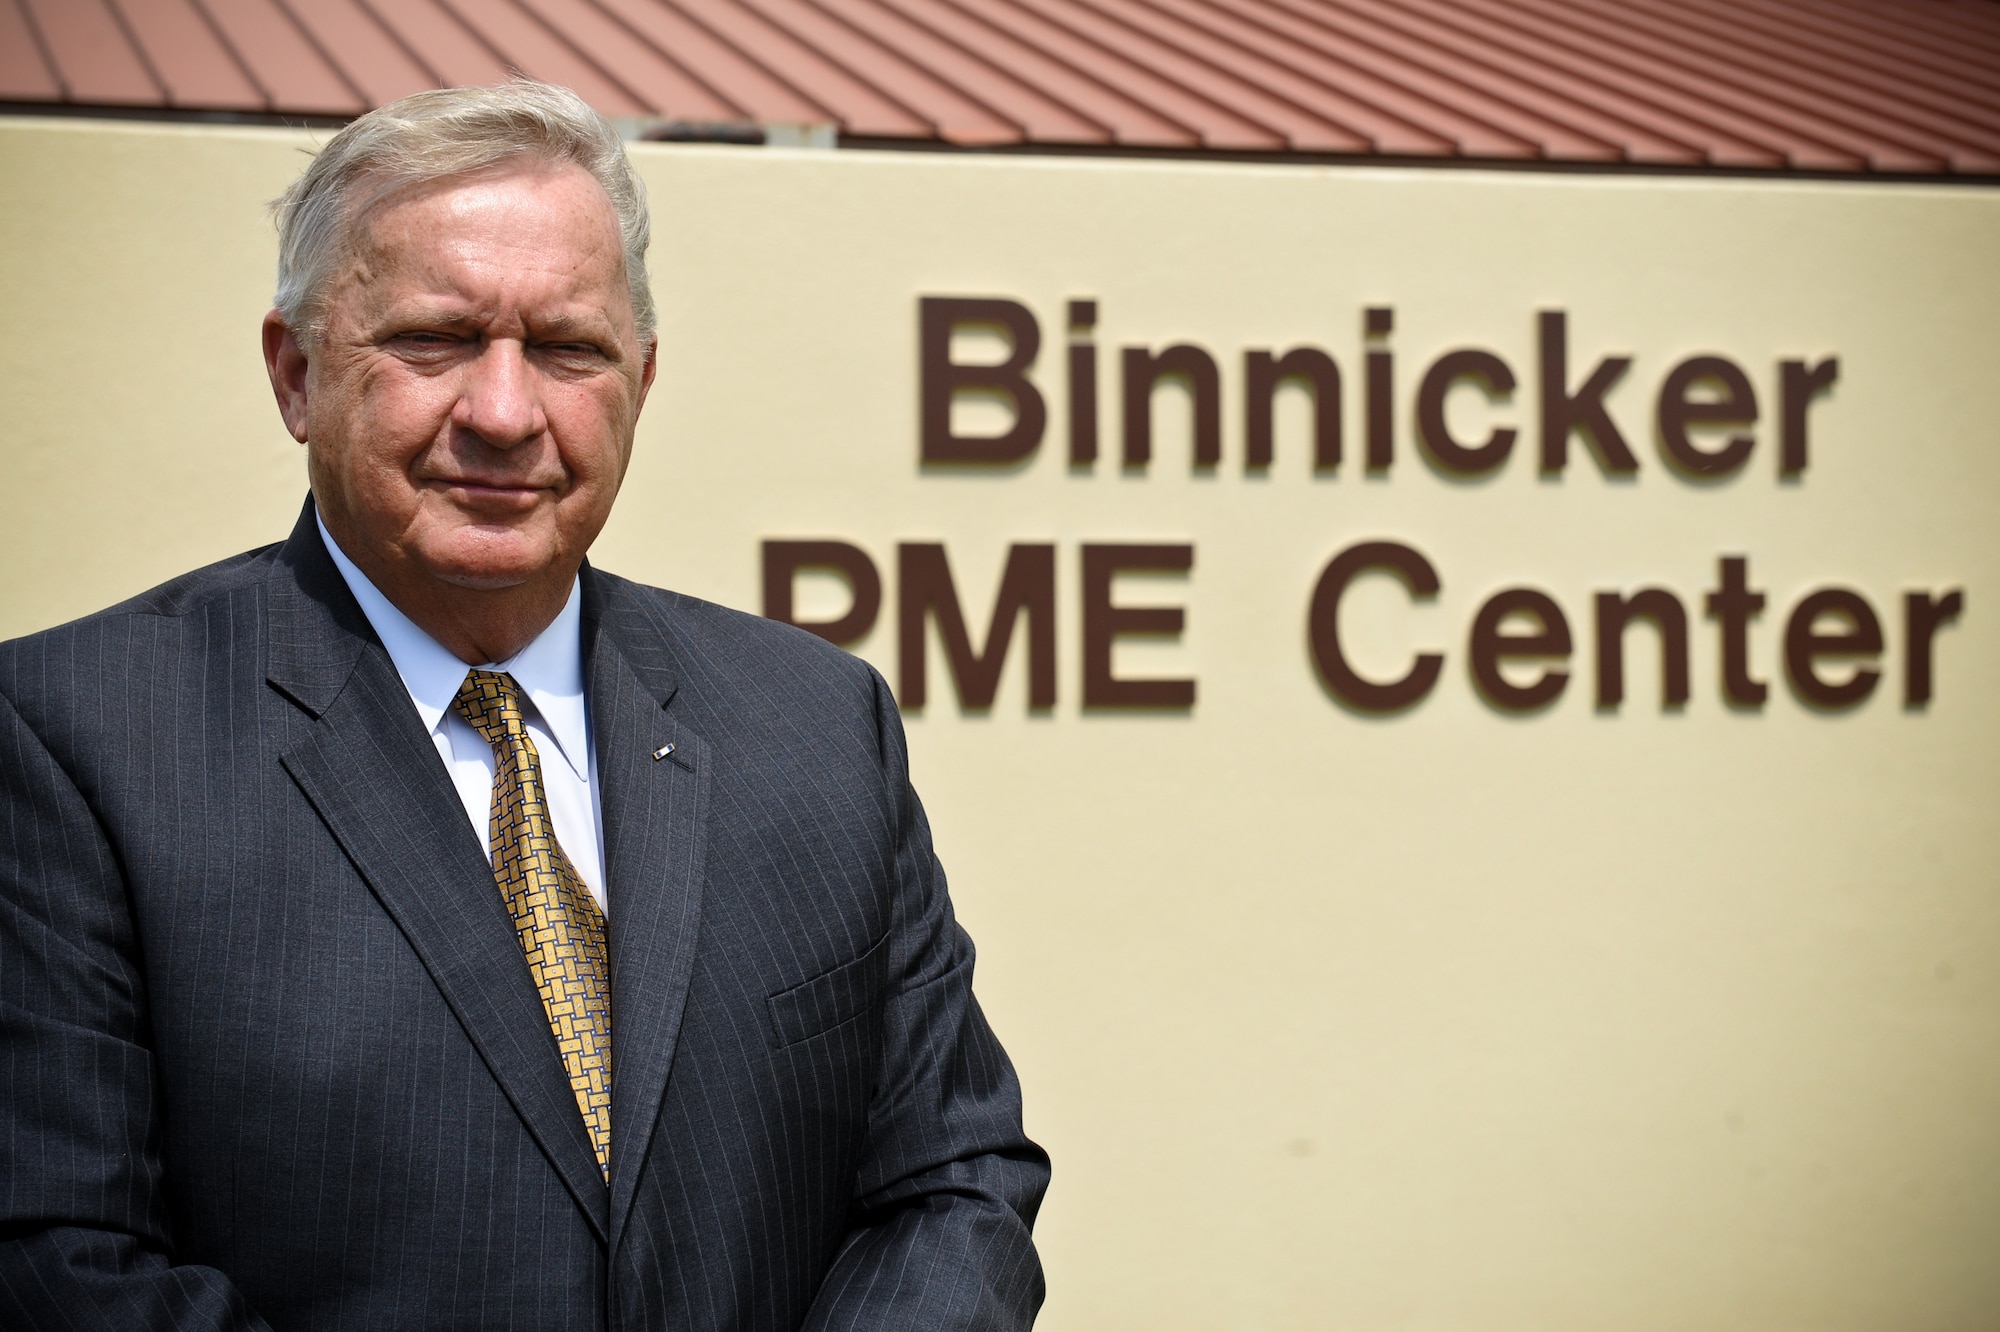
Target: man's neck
point(479, 626)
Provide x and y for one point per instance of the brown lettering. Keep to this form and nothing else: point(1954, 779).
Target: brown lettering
point(1806, 643)
point(943, 378)
point(1798, 385)
point(1664, 609)
point(1923, 616)
point(1314, 371)
point(1082, 385)
point(1195, 367)
point(1323, 627)
point(924, 588)
point(782, 562)
point(1734, 604)
point(1564, 412)
point(1380, 365)
point(1104, 623)
point(1737, 405)
point(1490, 647)
point(1490, 373)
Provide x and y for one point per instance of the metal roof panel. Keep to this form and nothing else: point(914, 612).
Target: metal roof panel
point(1504, 66)
point(944, 110)
point(189, 56)
point(748, 89)
point(530, 46)
point(371, 57)
point(1863, 67)
point(1221, 112)
point(849, 100)
point(451, 51)
point(1907, 87)
point(93, 57)
point(942, 47)
point(1235, 43)
point(1744, 119)
point(25, 75)
point(654, 81)
point(1700, 64)
point(1166, 121)
point(278, 54)
point(1470, 125)
point(1103, 114)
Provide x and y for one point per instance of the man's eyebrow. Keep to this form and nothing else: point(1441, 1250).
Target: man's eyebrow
point(572, 325)
point(434, 317)
point(453, 318)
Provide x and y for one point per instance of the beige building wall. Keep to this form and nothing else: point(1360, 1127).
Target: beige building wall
point(1586, 1018)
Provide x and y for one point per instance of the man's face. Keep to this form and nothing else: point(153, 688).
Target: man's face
point(468, 411)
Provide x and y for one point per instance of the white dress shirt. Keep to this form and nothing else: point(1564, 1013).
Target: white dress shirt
point(550, 673)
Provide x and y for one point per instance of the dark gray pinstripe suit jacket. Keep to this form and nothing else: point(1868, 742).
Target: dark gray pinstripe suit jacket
point(269, 1050)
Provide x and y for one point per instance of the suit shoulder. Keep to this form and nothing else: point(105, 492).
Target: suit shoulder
point(172, 600)
point(755, 684)
point(721, 643)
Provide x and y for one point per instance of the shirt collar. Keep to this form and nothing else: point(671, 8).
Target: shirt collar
point(549, 669)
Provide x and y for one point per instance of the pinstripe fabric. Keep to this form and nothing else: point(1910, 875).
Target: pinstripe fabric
point(272, 1056)
point(558, 923)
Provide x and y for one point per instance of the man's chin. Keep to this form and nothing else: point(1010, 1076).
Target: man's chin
point(482, 580)
point(487, 570)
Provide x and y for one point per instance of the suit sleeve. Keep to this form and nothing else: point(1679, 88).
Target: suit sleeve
point(83, 1223)
point(949, 1183)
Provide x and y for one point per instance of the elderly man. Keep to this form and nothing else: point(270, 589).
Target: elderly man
point(410, 926)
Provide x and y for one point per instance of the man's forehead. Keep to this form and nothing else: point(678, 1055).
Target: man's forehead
point(443, 249)
point(418, 214)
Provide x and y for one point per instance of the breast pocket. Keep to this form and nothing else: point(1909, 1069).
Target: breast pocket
point(812, 1008)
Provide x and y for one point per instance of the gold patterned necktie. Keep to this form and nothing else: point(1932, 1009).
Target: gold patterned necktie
point(560, 928)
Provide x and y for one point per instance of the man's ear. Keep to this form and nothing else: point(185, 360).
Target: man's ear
point(649, 368)
point(285, 359)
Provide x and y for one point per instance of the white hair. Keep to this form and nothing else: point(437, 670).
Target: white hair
point(439, 135)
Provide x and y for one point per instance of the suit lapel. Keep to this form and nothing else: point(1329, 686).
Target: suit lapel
point(375, 779)
point(655, 811)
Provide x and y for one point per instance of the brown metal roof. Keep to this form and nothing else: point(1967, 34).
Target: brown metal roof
point(1891, 86)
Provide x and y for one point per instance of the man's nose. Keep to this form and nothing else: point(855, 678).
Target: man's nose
point(500, 399)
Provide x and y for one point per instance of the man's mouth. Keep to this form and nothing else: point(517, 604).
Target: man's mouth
point(490, 495)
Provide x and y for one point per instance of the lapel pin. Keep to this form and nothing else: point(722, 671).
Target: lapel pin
point(663, 751)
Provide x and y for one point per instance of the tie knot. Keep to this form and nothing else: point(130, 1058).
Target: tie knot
point(491, 702)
